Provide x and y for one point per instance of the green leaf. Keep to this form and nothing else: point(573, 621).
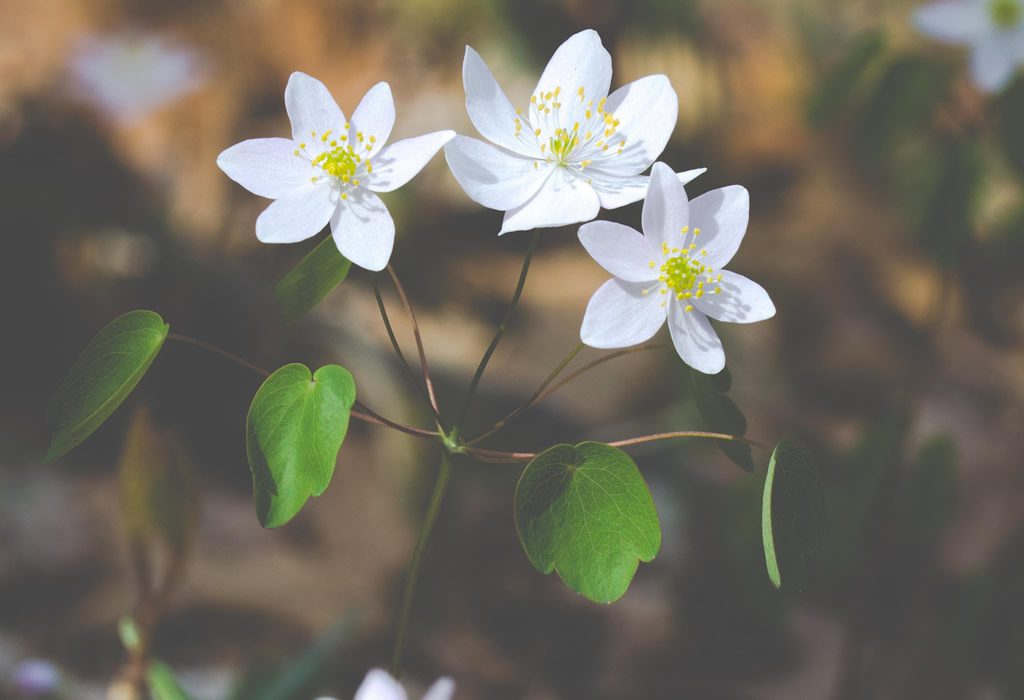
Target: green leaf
point(792, 515)
point(296, 424)
point(312, 279)
point(159, 495)
point(722, 415)
point(129, 633)
point(841, 82)
point(930, 493)
point(162, 683)
point(103, 376)
point(586, 513)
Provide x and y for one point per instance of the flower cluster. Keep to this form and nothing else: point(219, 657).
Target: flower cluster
point(572, 150)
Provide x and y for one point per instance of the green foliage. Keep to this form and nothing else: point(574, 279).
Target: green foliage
point(295, 427)
point(947, 225)
point(586, 513)
point(162, 683)
point(721, 414)
point(102, 377)
point(159, 495)
point(1010, 111)
point(129, 634)
point(306, 284)
point(845, 78)
point(930, 493)
point(792, 515)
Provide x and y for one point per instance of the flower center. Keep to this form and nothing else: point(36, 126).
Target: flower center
point(683, 274)
point(592, 136)
point(1006, 13)
point(344, 158)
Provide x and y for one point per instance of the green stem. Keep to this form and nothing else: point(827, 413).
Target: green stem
point(440, 487)
point(533, 398)
point(478, 375)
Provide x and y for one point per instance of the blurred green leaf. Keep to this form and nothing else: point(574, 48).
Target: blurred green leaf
point(721, 414)
point(586, 513)
point(295, 427)
point(931, 489)
point(1009, 110)
point(792, 515)
point(159, 494)
point(306, 284)
point(129, 634)
point(947, 226)
point(162, 683)
point(839, 84)
point(102, 377)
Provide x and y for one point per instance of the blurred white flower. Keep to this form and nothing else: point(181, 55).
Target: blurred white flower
point(673, 271)
point(993, 29)
point(128, 75)
point(379, 685)
point(36, 678)
point(330, 169)
point(575, 149)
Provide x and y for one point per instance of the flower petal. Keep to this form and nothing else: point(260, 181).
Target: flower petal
point(311, 108)
point(993, 63)
point(620, 315)
point(562, 199)
point(953, 21)
point(374, 117)
point(666, 210)
point(266, 167)
point(694, 338)
point(379, 685)
point(489, 110)
point(622, 251)
point(581, 61)
point(364, 231)
point(300, 215)
point(443, 689)
point(722, 216)
point(492, 176)
point(647, 109)
point(399, 162)
point(741, 300)
point(617, 191)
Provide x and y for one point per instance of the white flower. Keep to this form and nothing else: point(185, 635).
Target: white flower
point(673, 271)
point(379, 685)
point(330, 169)
point(994, 29)
point(127, 75)
point(575, 149)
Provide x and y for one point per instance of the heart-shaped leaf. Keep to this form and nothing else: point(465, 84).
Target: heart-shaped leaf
point(296, 424)
point(103, 376)
point(586, 513)
point(312, 279)
point(792, 515)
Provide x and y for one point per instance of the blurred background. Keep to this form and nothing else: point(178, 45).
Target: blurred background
point(887, 223)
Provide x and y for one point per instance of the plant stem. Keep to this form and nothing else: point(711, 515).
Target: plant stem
point(591, 365)
point(431, 397)
point(217, 351)
point(478, 375)
point(440, 487)
point(533, 399)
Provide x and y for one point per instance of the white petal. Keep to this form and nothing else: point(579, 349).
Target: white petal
point(374, 117)
point(364, 231)
point(266, 167)
point(666, 210)
point(492, 176)
point(954, 21)
point(647, 109)
point(443, 689)
point(740, 301)
point(489, 110)
point(300, 215)
point(379, 685)
point(620, 315)
point(311, 108)
point(694, 338)
point(617, 191)
point(722, 216)
point(581, 61)
point(622, 251)
point(993, 63)
point(399, 162)
point(562, 199)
